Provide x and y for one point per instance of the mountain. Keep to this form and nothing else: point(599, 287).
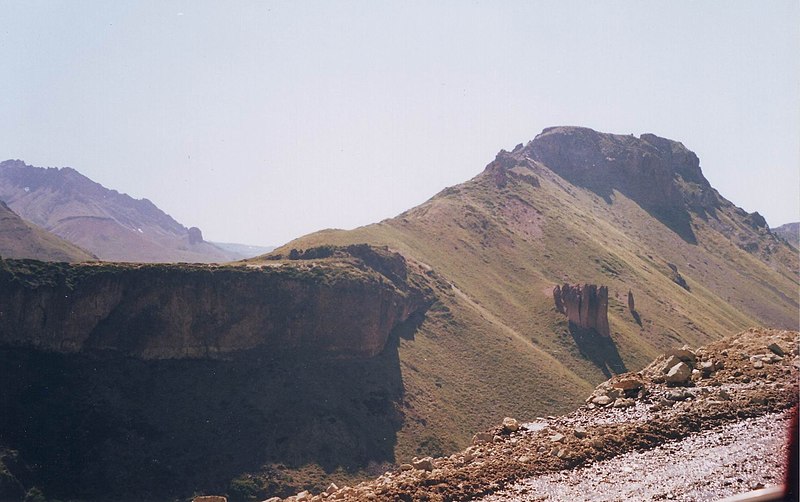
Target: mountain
point(572, 258)
point(790, 232)
point(242, 251)
point(680, 264)
point(111, 225)
point(20, 239)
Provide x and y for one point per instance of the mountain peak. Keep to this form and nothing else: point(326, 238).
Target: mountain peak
point(659, 174)
point(602, 160)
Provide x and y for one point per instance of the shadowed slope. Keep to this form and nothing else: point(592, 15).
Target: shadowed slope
point(20, 239)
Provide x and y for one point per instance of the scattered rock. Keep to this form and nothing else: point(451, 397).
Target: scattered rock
point(510, 424)
point(557, 437)
point(707, 367)
point(679, 374)
point(684, 354)
point(482, 437)
point(776, 349)
point(628, 384)
point(602, 400)
point(624, 403)
point(423, 464)
point(580, 432)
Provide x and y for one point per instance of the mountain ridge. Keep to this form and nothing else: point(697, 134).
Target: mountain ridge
point(21, 239)
point(492, 341)
point(112, 225)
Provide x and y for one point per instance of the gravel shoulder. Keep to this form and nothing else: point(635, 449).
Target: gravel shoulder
point(707, 466)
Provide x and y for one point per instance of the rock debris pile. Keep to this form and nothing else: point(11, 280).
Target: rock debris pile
point(680, 394)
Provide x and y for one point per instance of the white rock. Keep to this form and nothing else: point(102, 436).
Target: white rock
point(510, 424)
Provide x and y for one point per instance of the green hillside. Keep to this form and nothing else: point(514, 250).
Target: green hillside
point(494, 345)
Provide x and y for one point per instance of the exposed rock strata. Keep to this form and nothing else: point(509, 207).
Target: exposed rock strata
point(343, 306)
point(585, 305)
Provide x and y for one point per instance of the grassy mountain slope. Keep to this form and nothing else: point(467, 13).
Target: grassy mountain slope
point(20, 239)
point(496, 346)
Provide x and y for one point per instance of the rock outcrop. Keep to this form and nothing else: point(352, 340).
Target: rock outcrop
point(586, 306)
point(648, 169)
point(195, 236)
point(345, 305)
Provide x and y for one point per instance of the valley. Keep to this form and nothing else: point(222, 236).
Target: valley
point(345, 353)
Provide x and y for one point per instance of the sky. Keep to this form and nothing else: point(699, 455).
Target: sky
point(261, 121)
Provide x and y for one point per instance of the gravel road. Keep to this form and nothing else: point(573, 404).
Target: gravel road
point(709, 466)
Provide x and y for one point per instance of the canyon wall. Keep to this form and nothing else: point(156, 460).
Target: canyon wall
point(338, 306)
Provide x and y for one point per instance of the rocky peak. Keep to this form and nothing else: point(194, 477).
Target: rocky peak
point(659, 174)
point(647, 169)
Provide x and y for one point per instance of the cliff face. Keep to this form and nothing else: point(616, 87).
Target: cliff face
point(339, 305)
point(169, 379)
point(586, 306)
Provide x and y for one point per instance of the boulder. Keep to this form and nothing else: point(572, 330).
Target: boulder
point(684, 354)
point(628, 384)
point(482, 437)
point(510, 424)
point(679, 374)
point(423, 464)
point(602, 400)
point(776, 349)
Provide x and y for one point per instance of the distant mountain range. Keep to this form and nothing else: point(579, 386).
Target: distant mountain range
point(111, 225)
point(790, 232)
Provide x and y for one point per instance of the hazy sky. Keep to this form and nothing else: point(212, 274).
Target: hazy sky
point(262, 121)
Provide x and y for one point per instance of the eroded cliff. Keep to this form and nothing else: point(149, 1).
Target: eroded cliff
point(341, 304)
point(151, 382)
